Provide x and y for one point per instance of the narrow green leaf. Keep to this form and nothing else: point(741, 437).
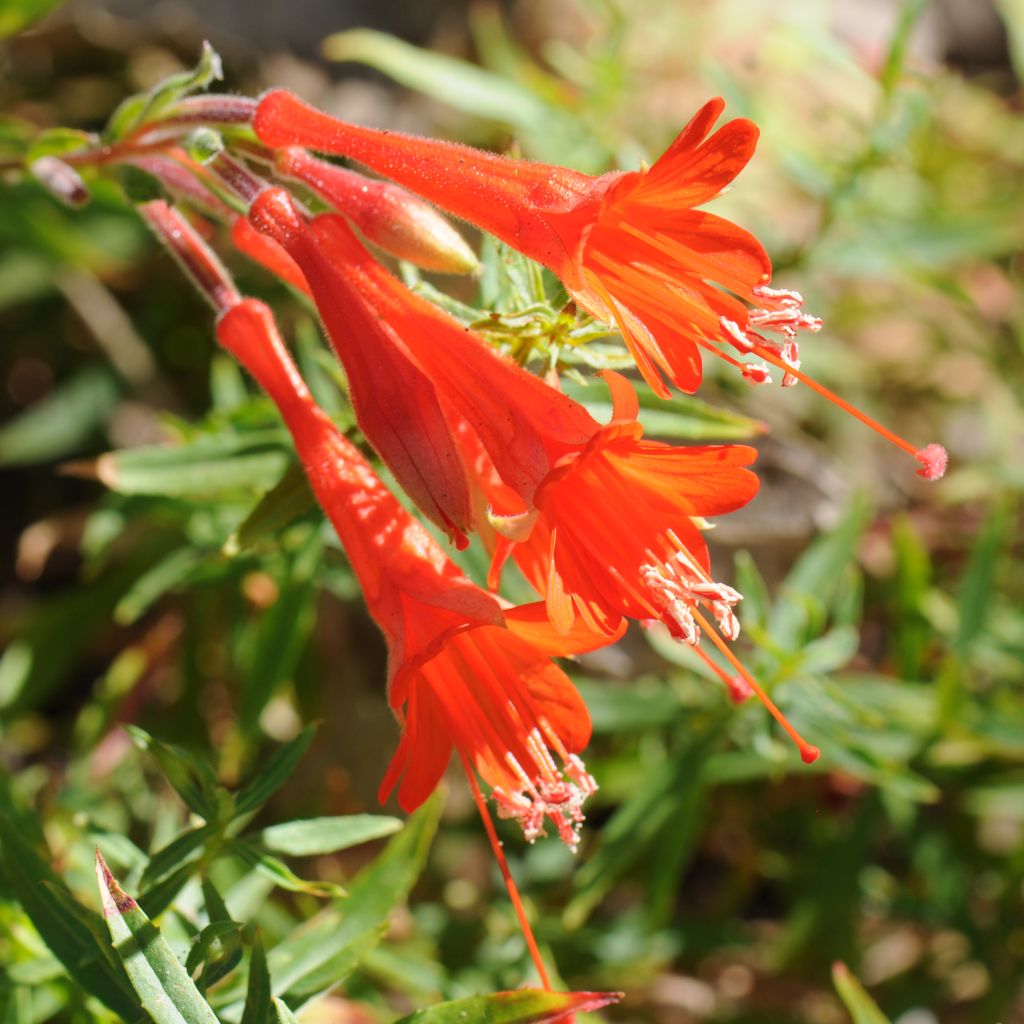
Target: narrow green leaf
point(230, 941)
point(205, 941)
point(58, 142)
point(863, 1009)
point(209, 466)
point(323, 951)
point(464, 86)
point(227, 384)
point(817, 577)
point(33, 667)
point(667, 805)
point(61, 423)
point(524, 1006)
point(634, 707)
point(278, 872)
point(162, 984)
point(159, 896)
point(283, 632)
point(257, 994)
point(281, 1014)
point(274, 773)
point(977, 588)
point(756, 600)
point(182, 849)
point(193, 779)
point(288, 500)
point(143, 107)
point(313, 836)
point(169, 572)
point(72, 932)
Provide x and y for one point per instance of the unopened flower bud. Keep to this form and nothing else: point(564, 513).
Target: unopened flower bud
point(61, 180)
point(203, 144)
point(387, 215)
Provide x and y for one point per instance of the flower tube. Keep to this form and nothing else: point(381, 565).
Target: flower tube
point(464, 673)
point(631, 247)
point(602, 518)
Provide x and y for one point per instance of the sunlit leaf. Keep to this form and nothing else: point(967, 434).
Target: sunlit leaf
point(60, 424)
point(863, 1009)
point(327, 835)
point(163, 986)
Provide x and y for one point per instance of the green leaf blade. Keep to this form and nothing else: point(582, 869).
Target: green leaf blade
point(163, 986)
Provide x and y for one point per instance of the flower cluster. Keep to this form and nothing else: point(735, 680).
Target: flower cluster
point(604, 522)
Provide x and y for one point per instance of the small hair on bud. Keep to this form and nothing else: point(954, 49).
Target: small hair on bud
point(933, 459)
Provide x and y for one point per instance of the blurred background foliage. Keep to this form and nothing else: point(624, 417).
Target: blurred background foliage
point(165, 568)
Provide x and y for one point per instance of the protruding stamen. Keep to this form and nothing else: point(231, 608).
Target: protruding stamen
point(738, 688)
point(756, 373)
point(808, 752)
point(677, 585)
point(554, 794)
point(737, 335)
point(506, 874)
point(784, 355)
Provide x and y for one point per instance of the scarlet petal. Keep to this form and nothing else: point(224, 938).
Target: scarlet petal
point(692, 171)
point(625, 404)
point(422, 755)
point(395, 402)
point(530, 623)
point(265, 251)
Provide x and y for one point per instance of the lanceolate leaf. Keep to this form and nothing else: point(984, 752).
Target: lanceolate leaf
point(257, 997)
point(209, 466)
point(290, 498)
point(863, 1009)
point(156, 974)
point(322, 952)
point(278, 872)
point(326, 835)
point(274, 772)
point(193, 779)
point(524, 1006)
point(61, 423)
point(73, 933)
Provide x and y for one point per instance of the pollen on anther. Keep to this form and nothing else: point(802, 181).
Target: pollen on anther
point(933, 459)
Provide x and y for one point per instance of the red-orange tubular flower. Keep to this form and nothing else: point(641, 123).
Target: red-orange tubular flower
point(464, 673)
point(576, 485)
point(599, 518)
point(394, 400)
point(631, 247)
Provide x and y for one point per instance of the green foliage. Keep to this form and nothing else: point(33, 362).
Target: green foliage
point(16, 15)
point(862, 1008)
